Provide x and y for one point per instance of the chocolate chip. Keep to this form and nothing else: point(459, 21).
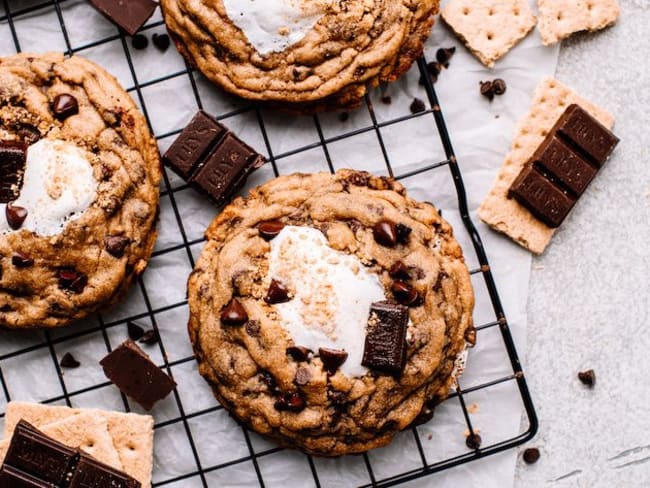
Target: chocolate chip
point(291, 402)
point(135, 331)
point(487, 90)
point(588, 377)
point(253, 328)
point(531, 455)
point(386, 100)
point(234, 313)
point(149, 337)
point(417, 106)
point(298, 353)
point(15, 216)
point(269, 230)
point(399, 271)
point(434, 69)
point(161, 41)
point(19, 260)
point(385, 233)
point(473, 441)
point(116, 245)
point(64, 106)
point(69, 361)
point(443, 55)
point(277, 293)
point(303, 376)
point(72, 280)
point(139, 41)
point(499, 86)
point(344, 116)
point(405, 293)
point(403, 233)
point(332, 358)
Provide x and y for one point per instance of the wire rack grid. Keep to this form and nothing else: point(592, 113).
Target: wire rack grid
point(181, 421)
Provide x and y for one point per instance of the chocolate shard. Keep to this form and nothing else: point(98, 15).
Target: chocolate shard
point(11, 477)
point(91, 473)
point(385, 347)
point(332, 359)
point(130, 15)
point(133, 372)
point(13, 158)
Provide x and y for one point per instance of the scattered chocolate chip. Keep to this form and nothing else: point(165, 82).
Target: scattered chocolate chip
point(253, 328)
point(303, 376)
point(72, 280)
point(19, 260)
point(269, 230)
point(277, 293)
point(405, 293)
point(487, 90)
point(417, 106)
point(385, 233)
point(499, 86)
point(135, 331)
point(161, 41)
point(588, 377)
point(15, 215)
point(473, 441)
point(399, 271)
point(69, 361)
point(344, 116)
point(332, 359)
point(531, 455)
point(149, 337)
point(403, 233)
point(433, 70)
point(64, 106)
point(386, 100)
point(298, 353)
point(443, 55)
point(116, 245)
point(234, 313)
point(139, 41)
point(291, 402)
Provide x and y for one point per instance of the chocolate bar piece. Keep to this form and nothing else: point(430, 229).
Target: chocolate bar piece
point(13, 158)
point(562, 168)
point(130, 15)
point(90, 473)
point(211, 158)
point(14, 478)
point(133, 372)
point(385, 348)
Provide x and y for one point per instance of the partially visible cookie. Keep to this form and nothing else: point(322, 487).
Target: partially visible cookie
point(305, 54)
point(489, 28)
point(77, 221)
point(558, 19)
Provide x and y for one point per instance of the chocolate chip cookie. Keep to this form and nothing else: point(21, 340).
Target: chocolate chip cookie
point(307, 54)
point(79, 193)
point(329, 312)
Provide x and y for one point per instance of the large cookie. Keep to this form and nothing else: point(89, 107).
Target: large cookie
point(280, 310)
point(77, 224)
point(307, 54)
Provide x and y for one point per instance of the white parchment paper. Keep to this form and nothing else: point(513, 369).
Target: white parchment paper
point(481, 133)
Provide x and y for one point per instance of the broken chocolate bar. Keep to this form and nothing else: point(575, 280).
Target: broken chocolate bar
point(90, 473)
point(385, 348)
point(133, 372)
point(15, 478)
point(13, 157)
point(130, 15)
point(211, 158)
point(562, 168)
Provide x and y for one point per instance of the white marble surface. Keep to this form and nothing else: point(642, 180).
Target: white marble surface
point(590, 296)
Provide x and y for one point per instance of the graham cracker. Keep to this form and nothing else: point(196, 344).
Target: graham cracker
point(85, 431)
point(504, 214)
point(558, 19)
point(489, 28)
point(132, 434)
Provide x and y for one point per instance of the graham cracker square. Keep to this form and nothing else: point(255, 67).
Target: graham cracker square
point(558, 19)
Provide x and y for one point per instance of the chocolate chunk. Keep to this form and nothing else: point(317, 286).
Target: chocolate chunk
point(291, 402)
point(499, 86)
point(332, 359)
point(405, 293)
point(417, 106)
point(139, 41)
point(14, 478)
point(385, 347)
point(385, 233)
point(587, 134)
point(387, 100)
point(403, 233)
point(135, 331)
point(133, 372)
point(303, 376)
point(234, 313)
point(116, 245)
point(298, 353)
point(149, 337)
point(277, 293)
point(90, 473)
point(130, 15)
point(443, 55)
point(20, 260)
point(541, 197)
point(34, 453)
point(269, 230)
point(161, 41)
point(473, 441)
point(69, 361)
point(399, 271)
point(15, 215)
point(487, 90)
point(64, 106)
point(13, 158)
point(72, 280)
point(588, 377)
point(531, 455)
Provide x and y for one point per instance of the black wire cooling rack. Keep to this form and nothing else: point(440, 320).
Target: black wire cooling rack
point(37, 352)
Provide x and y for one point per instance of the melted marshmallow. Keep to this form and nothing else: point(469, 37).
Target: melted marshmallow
point(58, 187)
point(333, 293)
point(274, 25)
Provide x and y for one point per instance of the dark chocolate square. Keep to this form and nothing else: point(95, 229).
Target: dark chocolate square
point(385, 347)
point(13, 158)
point(11, 477)
point(90, 473)
point(130, 15)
